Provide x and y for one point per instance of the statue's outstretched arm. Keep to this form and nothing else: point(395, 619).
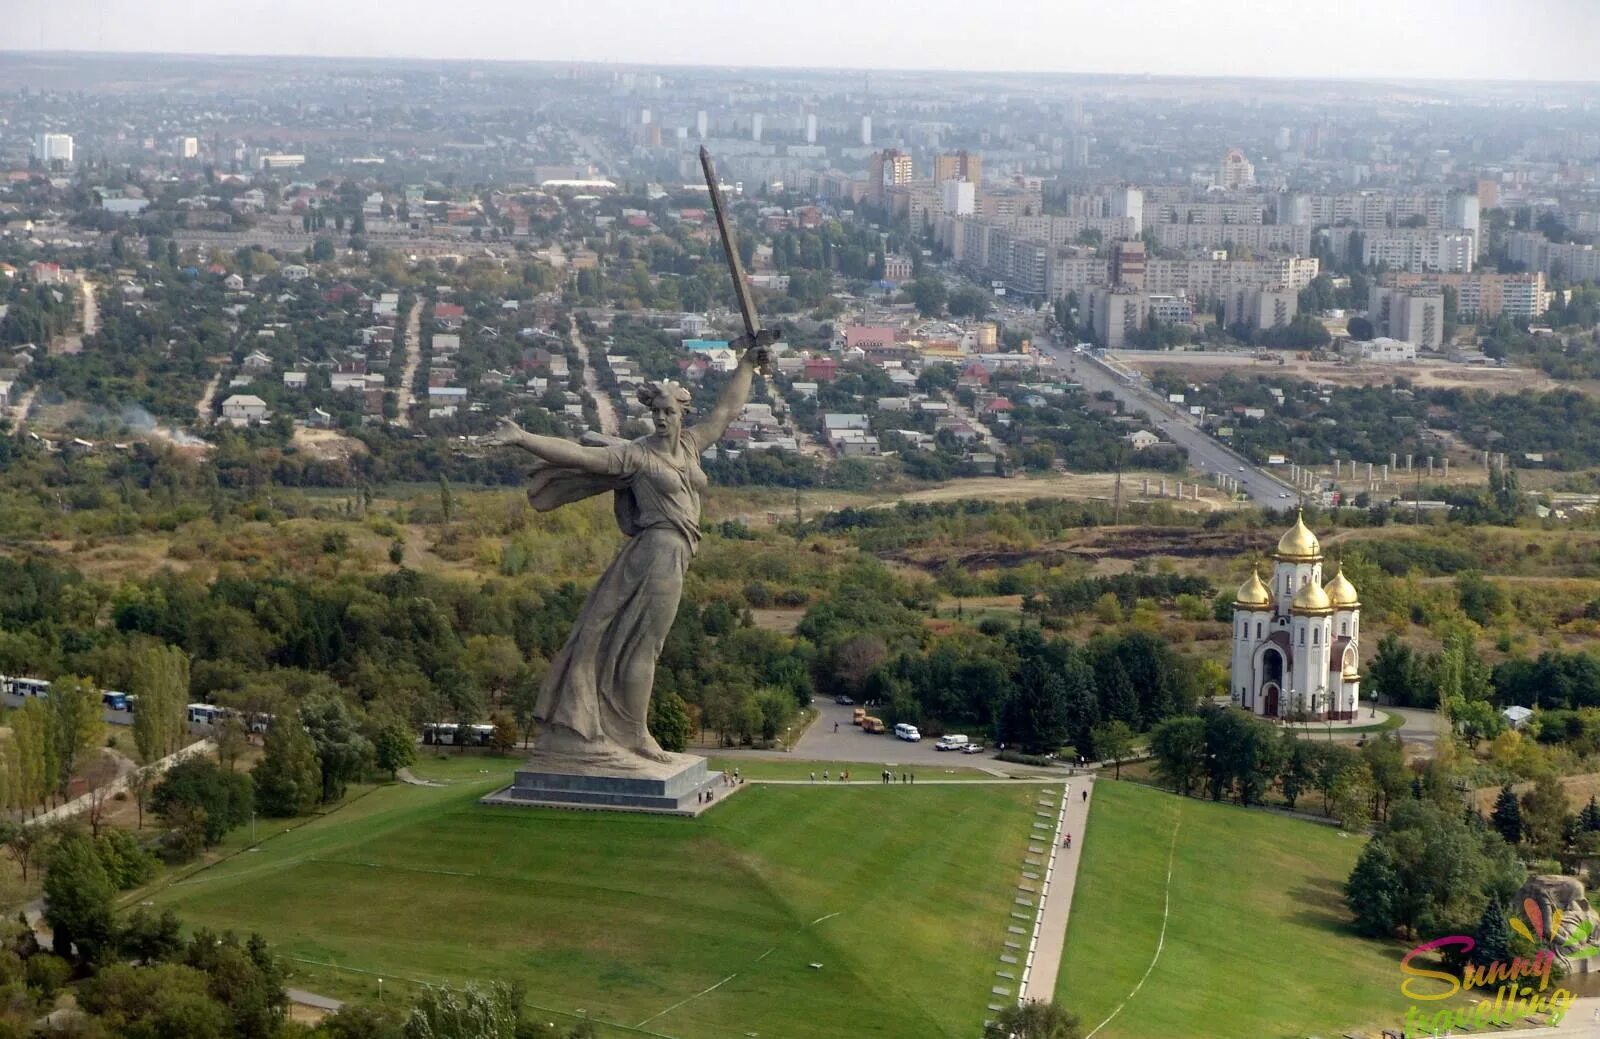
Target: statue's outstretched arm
point(554, 450)
point(732, 401)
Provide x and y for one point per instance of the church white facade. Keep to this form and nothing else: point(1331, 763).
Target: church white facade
point(1296, 648)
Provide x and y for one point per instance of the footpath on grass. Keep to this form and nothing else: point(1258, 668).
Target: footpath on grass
point(1057, 903)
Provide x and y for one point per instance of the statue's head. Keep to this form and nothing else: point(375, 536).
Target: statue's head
point(667, 401)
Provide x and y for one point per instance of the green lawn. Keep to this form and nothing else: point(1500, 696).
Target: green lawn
point(1256, 943)
point(902, 896)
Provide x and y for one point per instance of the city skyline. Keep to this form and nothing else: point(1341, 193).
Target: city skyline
point(1427, 39)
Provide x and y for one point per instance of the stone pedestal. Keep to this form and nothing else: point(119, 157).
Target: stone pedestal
point(672, 787)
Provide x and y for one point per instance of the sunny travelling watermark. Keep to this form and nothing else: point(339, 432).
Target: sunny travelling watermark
point(1521, 985)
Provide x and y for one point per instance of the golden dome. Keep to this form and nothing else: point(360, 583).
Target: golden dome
point(1299, 543)
point(1342, 592)
point(1311, 599)
point(1351, 676)
point(1253, 593)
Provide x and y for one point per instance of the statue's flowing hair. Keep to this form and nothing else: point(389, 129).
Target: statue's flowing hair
point(669, 389)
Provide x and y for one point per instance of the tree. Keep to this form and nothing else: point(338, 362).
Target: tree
point(470, 1012)
point(929, 295)
point(502, 734)
point(1360, 329)
point(161, 686)
point(288, 779)
point(1299, 767)
point(1544, 814)
point(394, 747)
point(231, 739)
point(80, 901)
point(1589, 817)
point(27, 845)
point(1492, 935)
point(525, 701)
point(1034, 1019)
point(447, 500)
point(669, 721)
point(1351, 797)
point(34, 739)
point(1386, 761)
point(1373, 891)
point(343, 753)
point(80, 723)
point(1179, 746)
point(198, 788)
point(1506, 817)
point(1113, 741)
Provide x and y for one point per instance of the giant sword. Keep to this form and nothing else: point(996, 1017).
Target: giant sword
point(754, 335)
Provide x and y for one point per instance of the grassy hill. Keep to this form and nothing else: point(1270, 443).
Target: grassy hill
point(1256, 939)
point(703, 928)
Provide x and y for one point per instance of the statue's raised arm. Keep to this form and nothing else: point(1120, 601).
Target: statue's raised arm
point(732, 400)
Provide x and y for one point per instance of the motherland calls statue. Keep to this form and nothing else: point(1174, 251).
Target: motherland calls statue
point(596, 699)
point(1566, 922)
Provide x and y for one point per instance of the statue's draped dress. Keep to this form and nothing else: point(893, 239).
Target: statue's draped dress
point(599, 684)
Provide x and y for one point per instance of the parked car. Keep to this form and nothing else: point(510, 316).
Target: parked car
point(906, 732)
point(972, 748)
point(842, 700)
point(951, 742)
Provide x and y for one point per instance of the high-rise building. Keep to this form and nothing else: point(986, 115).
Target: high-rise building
point(889, 168)
point(1488, 193)
point(811, 128)
point(1129, 202)
point(1127, 264)
point(1116, 313)
point(701, 124)
point(644, 117)
point(186, 147)
point(961, 165)
point(1235, 173)
point(1414, 314)
point(866, 130)
point(960, 197)
point(755, 127)
point(1259, 307)
point(53, 147)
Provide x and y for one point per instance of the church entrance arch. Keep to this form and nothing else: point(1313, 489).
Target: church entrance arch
point(1271, 680)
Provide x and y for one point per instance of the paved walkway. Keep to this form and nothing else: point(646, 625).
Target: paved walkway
point(1061, 877)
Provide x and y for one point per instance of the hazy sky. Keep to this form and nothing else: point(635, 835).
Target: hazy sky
point(1399, 39)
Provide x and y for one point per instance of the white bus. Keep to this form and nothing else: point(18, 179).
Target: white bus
point(205, 714)
point(37, 687)
point(906, 732)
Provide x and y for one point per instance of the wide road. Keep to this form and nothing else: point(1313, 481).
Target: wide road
point(1206, 455)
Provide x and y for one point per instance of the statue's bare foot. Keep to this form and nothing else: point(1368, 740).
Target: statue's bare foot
point(649, 748)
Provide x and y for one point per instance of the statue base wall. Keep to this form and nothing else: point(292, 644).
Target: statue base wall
point(673, 788)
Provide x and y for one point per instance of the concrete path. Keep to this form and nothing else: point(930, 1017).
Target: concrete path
point(405, 775)
point(99, 795)
point(311, 999)
point(1061, 873)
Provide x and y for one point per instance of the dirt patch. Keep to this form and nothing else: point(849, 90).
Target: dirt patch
point(783, 621)
point(326, 444)
point(1209, 367)
point(1104, 549)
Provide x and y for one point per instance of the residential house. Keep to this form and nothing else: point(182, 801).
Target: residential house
point(244, 409)
point(294, 380)
point(257, 363)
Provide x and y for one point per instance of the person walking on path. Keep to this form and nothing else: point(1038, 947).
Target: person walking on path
point(1086, 797)
point(835, 726)
point(813, 777)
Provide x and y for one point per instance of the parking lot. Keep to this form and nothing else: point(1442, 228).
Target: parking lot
point(851, 744)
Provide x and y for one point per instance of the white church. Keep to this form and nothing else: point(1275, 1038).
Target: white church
point(1296, 649)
